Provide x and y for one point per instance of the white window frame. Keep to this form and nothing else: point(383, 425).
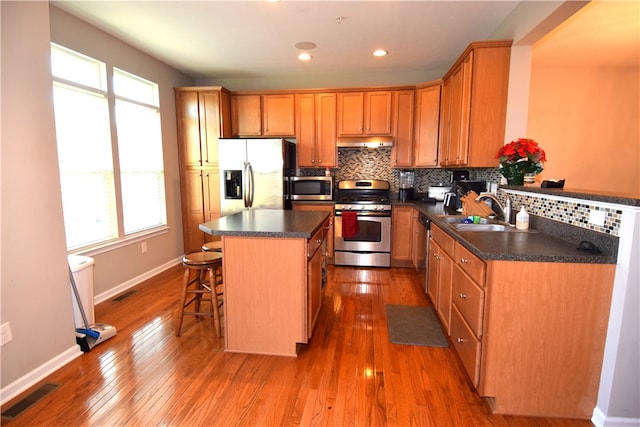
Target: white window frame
point(105, 87)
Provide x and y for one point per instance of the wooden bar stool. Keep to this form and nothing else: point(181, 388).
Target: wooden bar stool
point(201, 287)
point(215, 246)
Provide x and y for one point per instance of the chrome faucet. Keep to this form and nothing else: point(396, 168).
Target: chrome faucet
point(502, 212)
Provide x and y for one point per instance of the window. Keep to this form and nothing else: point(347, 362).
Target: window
point(109, 150)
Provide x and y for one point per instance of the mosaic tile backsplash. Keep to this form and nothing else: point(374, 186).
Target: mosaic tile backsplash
point(361, 163)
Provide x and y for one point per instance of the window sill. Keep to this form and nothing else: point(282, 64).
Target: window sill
point(117, 244)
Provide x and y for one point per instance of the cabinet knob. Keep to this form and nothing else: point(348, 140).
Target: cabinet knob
point(462, 296)
point(464, 260)
point(460, 340)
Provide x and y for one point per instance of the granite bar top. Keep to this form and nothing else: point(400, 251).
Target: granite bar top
point(596, 196)
point(536, 245)
point(267, 223)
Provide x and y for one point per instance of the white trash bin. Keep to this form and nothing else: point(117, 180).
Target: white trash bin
point(82, 271)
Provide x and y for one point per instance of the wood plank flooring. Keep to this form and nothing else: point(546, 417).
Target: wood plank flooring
point(349, 374)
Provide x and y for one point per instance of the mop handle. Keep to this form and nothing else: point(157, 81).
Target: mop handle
point(77, 295)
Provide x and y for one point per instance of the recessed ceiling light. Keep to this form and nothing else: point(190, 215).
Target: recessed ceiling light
point(304, 57)
point(380, 52)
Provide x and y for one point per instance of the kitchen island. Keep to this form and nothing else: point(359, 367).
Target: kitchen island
point(272, 269)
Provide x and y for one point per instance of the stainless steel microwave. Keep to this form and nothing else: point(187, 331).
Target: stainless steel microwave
point(311, 187)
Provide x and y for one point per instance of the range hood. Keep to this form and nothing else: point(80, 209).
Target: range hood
point(365, 142)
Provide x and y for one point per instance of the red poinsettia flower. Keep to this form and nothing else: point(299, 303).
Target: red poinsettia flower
point(523, 154)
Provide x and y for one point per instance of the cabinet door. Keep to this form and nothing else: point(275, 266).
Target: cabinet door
point(402, 151)
point(305, 129)
point(427, 123)
point(211, 193)
point(350, 113)
point(445, 285)
point(455, 118)
point(210, 126)
point(192, 210)
point(432, 278)
point(462, 147)
point(327, 155)
point(401, 224)
point(314, 291)
point(419, 243)
point(246, 115)
point(377, 110)
point(445, 124)
point(188, 124)
point(278, 115)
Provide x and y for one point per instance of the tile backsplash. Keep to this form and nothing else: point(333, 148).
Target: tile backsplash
point(362, 163)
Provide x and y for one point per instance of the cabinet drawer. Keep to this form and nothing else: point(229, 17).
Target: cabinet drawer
point(316, 240)
point(466, 344)
point(469, 299)
point(470, 263)
point(443, 240)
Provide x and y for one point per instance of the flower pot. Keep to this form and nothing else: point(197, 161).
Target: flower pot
point(516, 179)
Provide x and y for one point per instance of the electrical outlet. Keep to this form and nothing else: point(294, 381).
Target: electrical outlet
point(5, 333)
point(596, 217)
point(144, 247)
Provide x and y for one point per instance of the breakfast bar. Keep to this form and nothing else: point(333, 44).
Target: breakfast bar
point(272, 268)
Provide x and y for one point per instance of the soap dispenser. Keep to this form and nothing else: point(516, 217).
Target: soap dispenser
point(522, 219)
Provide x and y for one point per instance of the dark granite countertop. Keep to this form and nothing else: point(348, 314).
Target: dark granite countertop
point(267, 223)
point(537, 245)
point(596, 196)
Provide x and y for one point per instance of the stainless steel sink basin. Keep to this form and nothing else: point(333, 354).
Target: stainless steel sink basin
point(457, 219)
point(485, 224)
point(483, 227)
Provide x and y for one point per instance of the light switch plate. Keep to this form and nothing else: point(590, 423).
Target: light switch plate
point(596, 217)
point(5, 334)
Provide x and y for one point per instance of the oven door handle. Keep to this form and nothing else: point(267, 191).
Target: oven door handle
point(382, 214)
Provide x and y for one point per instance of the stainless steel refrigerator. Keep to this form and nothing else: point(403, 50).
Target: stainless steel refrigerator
point(254, 173)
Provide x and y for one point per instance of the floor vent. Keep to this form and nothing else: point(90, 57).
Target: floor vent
point(123, 296)
point(25, 403)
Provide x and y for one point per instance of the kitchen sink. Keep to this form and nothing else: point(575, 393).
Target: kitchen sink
point(485, 224)
point(483, 227)
point(458, 219)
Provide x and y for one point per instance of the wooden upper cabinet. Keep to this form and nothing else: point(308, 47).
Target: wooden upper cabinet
point(364, 113)
point(246, 115)
point(263, 115)
point(202, 118)
point(215, 123)
point(402, 151)
point(278, 114)
point(316, 129)
point(188, 123)
point(427, 121)
point(474, 105)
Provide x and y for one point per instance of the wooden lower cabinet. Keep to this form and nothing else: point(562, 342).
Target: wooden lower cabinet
point(529, 334)
point(321, 207)
point(271, 305)
point(402, 235)
point(440, 279)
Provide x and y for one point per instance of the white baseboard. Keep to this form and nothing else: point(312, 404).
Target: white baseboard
point(136, 280)
point(23, 383)
point(599, 419)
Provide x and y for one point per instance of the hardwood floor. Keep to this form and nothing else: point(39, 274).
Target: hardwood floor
point(349, 374)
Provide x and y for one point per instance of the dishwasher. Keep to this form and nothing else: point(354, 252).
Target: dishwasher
point(426, 223)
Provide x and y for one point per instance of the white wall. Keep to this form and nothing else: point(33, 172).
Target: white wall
point(35, 290)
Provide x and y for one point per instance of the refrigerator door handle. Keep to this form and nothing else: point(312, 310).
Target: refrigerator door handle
point(251, 185)
point(245, 185)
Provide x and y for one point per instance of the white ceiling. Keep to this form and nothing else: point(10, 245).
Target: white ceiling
point(218, 41)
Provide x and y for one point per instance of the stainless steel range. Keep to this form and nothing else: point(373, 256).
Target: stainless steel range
point(364, 237)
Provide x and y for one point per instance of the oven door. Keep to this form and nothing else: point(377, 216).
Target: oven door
point(374, 233)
